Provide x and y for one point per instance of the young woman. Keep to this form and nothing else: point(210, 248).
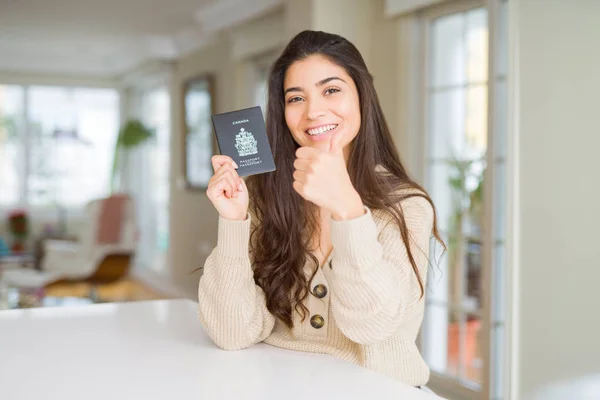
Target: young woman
point(328, 253)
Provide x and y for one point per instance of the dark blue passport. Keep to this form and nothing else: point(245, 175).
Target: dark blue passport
point(242, 135)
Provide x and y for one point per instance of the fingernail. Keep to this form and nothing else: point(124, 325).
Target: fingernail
point(240, 187)
point(235, 165)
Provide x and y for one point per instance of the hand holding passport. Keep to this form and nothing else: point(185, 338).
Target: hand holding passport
point(242, 136)
point(245, 150)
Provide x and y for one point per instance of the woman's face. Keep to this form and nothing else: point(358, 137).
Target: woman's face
point(320, 99)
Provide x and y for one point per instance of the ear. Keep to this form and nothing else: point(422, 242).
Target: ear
point(335, 145)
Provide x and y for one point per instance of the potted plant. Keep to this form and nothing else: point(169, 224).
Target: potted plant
point(133, 134)
point(466, 183)
point(7, 128)
point(18, 226)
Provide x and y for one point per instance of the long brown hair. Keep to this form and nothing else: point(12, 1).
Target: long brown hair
point(281, 240)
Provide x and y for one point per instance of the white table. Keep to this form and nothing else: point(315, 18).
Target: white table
point(158, 350)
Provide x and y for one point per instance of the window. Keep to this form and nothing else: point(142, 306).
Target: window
point(464, 108)
point(11, 149)
point(198, 107)
point(155, 114)
point(261, 67)
point(260, 91)
point(457, 93)
point(57, 144)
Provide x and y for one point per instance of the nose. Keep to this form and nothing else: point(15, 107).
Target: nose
point(315, 109)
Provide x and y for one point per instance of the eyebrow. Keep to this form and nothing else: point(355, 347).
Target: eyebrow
point(320, 83)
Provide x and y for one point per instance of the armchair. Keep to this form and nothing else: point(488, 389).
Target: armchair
point(102, 254)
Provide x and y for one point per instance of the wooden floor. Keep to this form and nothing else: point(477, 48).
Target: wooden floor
point(127, 289)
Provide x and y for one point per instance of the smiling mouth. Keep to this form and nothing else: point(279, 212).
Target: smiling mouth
point(321, 130)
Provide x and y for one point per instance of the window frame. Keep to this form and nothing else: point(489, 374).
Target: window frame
point(262, 61)
point(444, 384)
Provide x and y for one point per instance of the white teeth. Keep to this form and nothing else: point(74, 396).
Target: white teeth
point(322, 129)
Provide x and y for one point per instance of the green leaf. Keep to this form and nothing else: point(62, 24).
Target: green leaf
point(8, 125)
point(132, 134)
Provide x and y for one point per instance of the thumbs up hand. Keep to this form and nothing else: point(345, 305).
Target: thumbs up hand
point(321, 177)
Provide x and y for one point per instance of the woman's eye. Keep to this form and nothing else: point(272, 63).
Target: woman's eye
point(294, 99)
point(332, 91)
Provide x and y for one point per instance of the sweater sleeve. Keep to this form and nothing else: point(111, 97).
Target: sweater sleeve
point(232, 308)
point(374, 287)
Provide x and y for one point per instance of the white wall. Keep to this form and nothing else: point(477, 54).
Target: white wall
point(352, 19)
point(258, 36)
point(20, 78)
point(556, 63)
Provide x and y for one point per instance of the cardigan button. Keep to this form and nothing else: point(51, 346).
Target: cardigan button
point(317, 321)
point(320, 291)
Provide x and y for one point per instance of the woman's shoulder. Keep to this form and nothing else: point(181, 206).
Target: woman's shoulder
point(406, 191)
point(411, 201)
point(416, 203)
point(417, 212)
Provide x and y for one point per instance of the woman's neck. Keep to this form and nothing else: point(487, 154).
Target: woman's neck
point(325, 215)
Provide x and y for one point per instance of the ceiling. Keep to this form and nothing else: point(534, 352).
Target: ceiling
point(106, 38)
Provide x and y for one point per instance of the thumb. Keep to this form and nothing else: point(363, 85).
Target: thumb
point(335, 144)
